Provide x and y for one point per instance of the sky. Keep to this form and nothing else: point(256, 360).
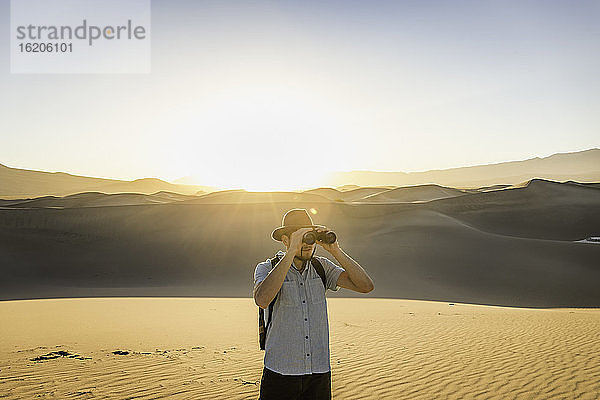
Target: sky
point(275, 94)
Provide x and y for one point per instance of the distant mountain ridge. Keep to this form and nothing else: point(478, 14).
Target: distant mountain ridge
point(581, 166)
point(16, 183)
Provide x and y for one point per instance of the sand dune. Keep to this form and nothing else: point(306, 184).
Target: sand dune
point(96, 199)
point(486, 188)
point(380, 349)
point(361, 193)
point(344, 188)
point(414, 193)
point(242, 196)
point(330, 193)
point(515, 246)
point(350, 194)
point(367, 194)
point(538, 209)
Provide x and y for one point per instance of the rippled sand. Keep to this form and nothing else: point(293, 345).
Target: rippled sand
point(150, 348)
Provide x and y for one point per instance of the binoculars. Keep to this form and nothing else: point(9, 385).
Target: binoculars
point(311, 237)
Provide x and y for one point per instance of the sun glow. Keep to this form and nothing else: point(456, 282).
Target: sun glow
point(265, 181)
point(254, 138)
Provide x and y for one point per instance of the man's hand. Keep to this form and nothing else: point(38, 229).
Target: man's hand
point(296, 240)
point(331, 248)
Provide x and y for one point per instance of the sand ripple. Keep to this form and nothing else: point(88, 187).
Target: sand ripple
point(380, 349)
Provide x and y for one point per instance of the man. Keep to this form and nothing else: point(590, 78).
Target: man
point(296, 363)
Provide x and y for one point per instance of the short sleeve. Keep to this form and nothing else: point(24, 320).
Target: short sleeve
point(261, 271)
point(332, 273)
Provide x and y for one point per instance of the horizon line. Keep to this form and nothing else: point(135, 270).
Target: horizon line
point(170, 181)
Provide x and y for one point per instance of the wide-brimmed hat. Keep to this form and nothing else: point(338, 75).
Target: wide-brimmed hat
point(294, 219)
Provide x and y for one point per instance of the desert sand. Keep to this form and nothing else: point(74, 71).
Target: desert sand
point(486, 292)
point(190, 348)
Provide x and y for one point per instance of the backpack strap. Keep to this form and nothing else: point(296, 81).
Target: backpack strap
point(262, 327)
point(320, 270)
point(274, 262)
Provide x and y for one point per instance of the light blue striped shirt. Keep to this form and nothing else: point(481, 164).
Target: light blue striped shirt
point(297, 340)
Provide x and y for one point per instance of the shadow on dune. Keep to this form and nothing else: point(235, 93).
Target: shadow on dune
point(511, 246)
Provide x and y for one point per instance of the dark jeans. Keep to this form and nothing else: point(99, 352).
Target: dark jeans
point(274, 386)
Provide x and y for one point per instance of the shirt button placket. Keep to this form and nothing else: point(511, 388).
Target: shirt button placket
point(307, 349)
